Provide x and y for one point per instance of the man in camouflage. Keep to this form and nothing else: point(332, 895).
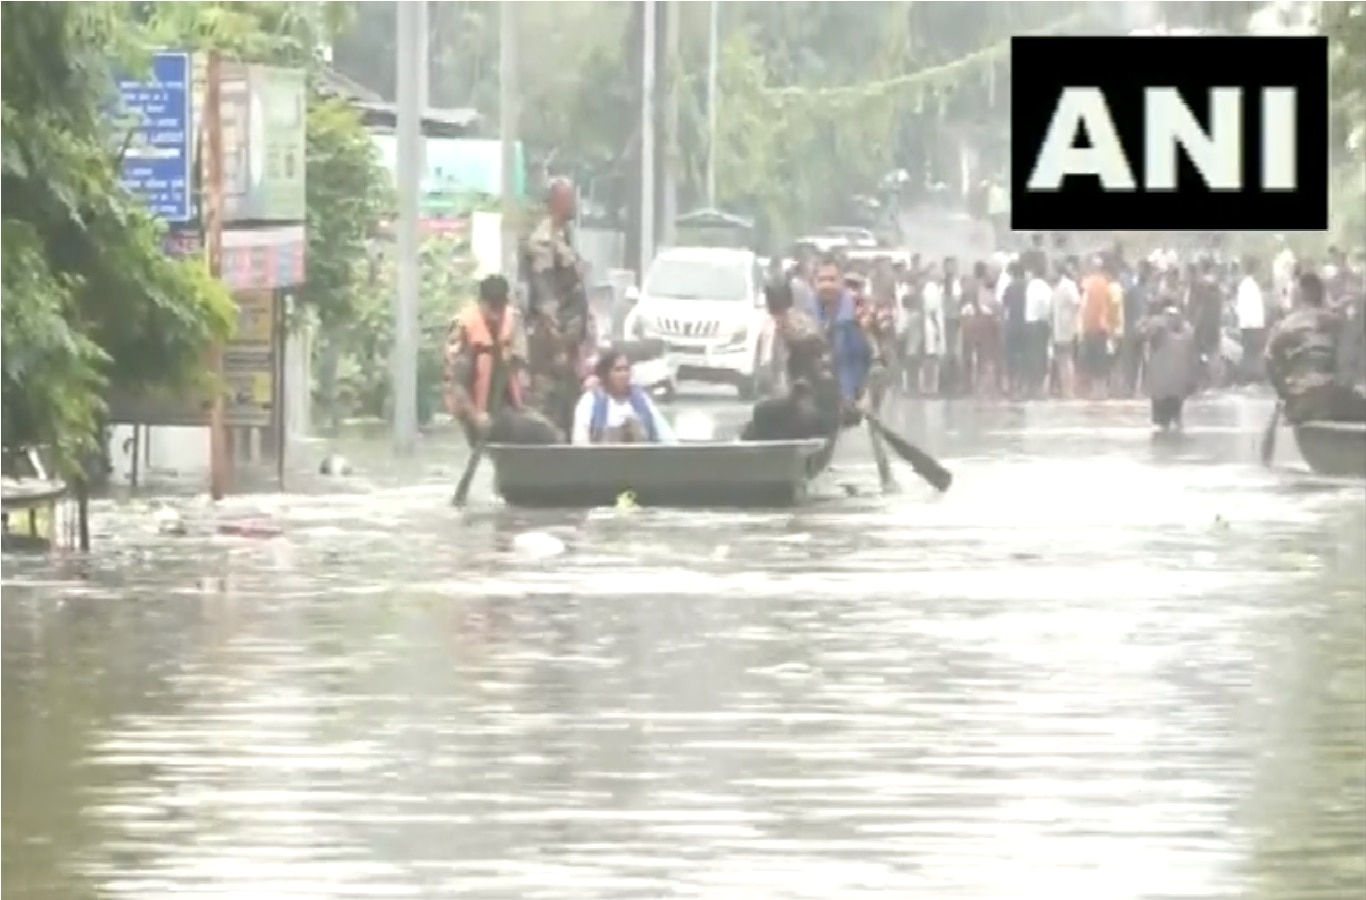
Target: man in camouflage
point(559, 323)
point(810, 405)
point(1302, 361)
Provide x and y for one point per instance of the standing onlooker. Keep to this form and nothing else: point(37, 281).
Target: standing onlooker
point(1132, 347)
point(1066, 315)
point(1116, 321)
point(1016, 335)
point(982, 333)
point(1250, 307)
point(1283, 275)
point(1095, 332)
point(934, 343)
point(951, 378)
point(1038, 330)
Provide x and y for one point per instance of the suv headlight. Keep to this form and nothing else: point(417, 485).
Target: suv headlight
point(741, 335)
point(640, 328)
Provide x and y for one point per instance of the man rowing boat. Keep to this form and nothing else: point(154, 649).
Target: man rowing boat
point(827, 360)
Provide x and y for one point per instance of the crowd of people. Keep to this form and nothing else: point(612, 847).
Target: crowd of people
point(1037, 324)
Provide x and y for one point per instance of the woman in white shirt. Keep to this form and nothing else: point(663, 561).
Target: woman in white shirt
point(614, 411)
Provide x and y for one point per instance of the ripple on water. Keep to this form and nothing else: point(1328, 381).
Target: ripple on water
point(1090, 678)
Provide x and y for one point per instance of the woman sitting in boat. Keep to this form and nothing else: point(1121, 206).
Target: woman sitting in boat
point(614, 411)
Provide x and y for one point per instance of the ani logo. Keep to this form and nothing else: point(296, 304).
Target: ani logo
point(1157, 133)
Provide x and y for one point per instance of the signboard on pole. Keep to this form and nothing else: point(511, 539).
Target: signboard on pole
point(249, 362)
point(264, 115)
point(159, 161)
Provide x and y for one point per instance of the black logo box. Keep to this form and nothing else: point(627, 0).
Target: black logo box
point(1122, 67)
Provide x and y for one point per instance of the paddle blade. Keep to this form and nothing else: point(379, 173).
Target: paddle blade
point(1268, 446)
point(462, 488)
point(926, 466)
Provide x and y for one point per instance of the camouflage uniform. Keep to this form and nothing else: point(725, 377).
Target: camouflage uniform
point(559, 322)
point(812, 405)
point(1302, 363)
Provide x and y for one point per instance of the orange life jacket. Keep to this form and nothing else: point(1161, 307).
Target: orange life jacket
point(480, 340)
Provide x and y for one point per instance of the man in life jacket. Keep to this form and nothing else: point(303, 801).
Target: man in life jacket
point(559, 324)
point(1302, 361)
point(614, 411)
point(487, 345)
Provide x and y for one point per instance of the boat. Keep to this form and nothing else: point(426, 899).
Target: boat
point(704, 474)
point(1335, 449)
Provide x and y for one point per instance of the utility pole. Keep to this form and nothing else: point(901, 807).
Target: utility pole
point(508, 115)
point(713, 67)
point(412, 57)
point(213, 251)
point(424, 75)
point(647, 144)
point(672, 77)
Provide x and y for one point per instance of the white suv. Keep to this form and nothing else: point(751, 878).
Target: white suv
point(707, 304)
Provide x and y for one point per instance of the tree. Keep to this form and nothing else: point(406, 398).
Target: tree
point(347, 188)
point(91, 300)
point(1345, 25)
point(818, 99)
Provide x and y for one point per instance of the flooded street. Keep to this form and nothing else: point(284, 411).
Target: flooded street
point(1100, 667)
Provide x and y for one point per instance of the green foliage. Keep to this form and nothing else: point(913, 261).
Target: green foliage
point(91, 301)
point(347, 188)
point(1345, 25)
point(364, 343)
point(818, 100)
point(348, 191)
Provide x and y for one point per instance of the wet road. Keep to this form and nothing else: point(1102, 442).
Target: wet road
point(1098, 668)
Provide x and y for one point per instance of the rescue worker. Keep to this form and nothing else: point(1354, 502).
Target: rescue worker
point(1302, 361)
point(810, 404)
point(486, 343)
point(559, 325)
point(614, 411)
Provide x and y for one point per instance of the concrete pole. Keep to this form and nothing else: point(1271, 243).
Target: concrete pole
point(673, 75)
point(647, 145)
point(713, 68)
point(403, 358)
point(424, 72)
point(213, 252)
point(508, 115)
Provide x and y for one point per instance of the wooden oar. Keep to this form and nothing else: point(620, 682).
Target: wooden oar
point(884, 465)
point(1268, 447)
point(497, 388)
point(926, 466)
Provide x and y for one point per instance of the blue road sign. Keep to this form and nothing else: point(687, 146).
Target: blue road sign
point(159, 163)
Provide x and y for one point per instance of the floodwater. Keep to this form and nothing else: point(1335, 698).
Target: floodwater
point(1099, 668)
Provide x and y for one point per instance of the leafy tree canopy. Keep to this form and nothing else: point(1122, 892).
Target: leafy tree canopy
point(818, 99)
point(90, 299)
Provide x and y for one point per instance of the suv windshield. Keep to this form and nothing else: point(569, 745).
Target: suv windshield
point(692, 279)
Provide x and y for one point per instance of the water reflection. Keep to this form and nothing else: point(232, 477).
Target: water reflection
point(1107, 670)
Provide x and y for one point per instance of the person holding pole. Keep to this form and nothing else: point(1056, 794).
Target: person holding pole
point(486, 366)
